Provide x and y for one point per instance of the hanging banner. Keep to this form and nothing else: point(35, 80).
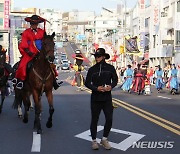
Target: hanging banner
point(142, 24)
point(6, 13)
point(131, 45)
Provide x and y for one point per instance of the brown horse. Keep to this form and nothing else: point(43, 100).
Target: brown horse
point(3, 78)
point(39, 79)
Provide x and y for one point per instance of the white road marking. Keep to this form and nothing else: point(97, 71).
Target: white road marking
point(36, 145)
point(124, 145)
point(164, 97)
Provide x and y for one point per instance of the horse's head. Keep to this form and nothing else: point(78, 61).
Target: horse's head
point(48, 47)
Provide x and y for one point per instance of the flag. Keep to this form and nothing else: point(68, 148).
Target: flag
point(131, 45)
point(121, 49)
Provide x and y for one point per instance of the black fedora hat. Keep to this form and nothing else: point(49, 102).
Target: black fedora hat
point(35, 19)
point(101, 52)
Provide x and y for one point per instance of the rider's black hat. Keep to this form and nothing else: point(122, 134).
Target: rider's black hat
point(35, 19)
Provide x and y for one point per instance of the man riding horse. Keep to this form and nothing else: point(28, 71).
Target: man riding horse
point(29, 47)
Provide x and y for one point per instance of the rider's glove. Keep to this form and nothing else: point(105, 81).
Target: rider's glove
point(29, 52)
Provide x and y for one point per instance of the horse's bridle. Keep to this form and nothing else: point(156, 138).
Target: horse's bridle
point(47, 76)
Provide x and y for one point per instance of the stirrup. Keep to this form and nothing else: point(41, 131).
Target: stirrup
point(19, 85)
point(60, 83)
point(14, 81)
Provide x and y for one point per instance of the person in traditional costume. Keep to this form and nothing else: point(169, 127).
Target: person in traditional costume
point(78, 68)
point(173, 80)
point(159, 75)
point(29, 47)
point(139, 80)
point(128, 77)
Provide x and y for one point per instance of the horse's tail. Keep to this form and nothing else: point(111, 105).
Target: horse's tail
point(17, 100)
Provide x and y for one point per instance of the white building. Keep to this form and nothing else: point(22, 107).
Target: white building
point(162, 31)
point(54, 22)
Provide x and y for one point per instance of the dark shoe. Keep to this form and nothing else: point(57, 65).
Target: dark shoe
point(56, 85)
point(19, 85)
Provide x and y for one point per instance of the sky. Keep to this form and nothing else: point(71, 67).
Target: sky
point(69, 5)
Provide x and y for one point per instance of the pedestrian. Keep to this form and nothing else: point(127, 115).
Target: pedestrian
point(159, 75)
point(30, 45)
point(151, 73)
point(139, 80)
point(101, 79)
point(78, 68)
point(128, 74)
point(122, 70)
point(173, 80)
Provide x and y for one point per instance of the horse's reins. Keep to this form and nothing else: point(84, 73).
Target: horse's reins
point(42, 79)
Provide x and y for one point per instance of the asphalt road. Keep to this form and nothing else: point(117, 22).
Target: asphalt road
point(149, 120)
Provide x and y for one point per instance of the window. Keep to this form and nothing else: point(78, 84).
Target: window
point(104, 22)
point(147, 22)
point(154, 41)
point(1, 7)
point(178, 37)
point(1, 21)
point(165, 12)
point(178, 6)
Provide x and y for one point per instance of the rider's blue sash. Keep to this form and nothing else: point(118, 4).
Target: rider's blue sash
point(38, 44)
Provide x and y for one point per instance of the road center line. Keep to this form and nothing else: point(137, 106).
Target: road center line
point(149, 118)
point(148, 113)
point(164, 97)
point(138, 111)
point(36, 145)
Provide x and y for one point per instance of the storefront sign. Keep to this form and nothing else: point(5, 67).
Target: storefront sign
point(6, 13)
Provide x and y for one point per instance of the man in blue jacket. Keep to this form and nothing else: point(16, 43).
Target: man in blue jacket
point(101, 78)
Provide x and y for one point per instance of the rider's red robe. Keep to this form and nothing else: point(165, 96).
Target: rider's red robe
point(28, 38)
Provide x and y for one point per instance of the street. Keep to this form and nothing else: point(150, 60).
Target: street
point(142, 121)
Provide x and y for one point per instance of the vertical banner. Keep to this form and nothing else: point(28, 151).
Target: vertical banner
point(142, 24)
point(6, 13)
point(156, 15)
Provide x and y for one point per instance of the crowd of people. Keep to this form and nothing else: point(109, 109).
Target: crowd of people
point(141, 78)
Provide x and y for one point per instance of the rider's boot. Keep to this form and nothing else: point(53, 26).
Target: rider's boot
point(56, 85)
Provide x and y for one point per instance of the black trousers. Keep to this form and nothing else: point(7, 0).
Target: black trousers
point(96, 107)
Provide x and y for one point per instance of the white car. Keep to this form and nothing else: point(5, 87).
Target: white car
point(77, 51)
